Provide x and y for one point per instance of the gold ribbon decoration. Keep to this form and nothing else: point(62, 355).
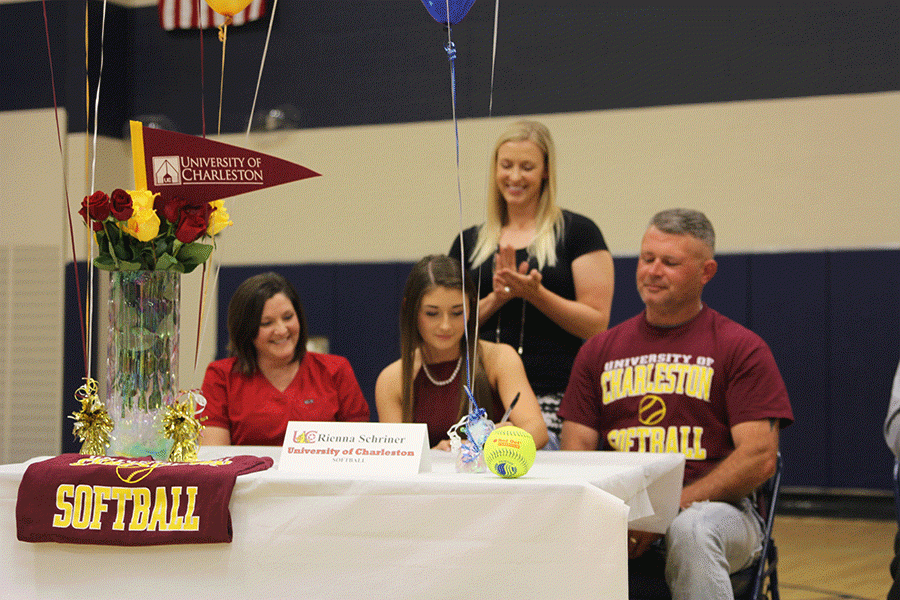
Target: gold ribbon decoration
point(181, 425)
point(93, 425)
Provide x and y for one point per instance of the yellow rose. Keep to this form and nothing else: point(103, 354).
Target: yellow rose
point(219, 220)
point(144, 223)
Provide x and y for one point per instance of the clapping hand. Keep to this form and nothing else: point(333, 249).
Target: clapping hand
point(510, 281)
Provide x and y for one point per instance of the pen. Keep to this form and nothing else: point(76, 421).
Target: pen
point(511, 406)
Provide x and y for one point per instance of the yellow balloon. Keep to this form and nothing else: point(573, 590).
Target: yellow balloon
point(229, 8)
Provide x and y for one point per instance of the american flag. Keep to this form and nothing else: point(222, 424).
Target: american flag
point(183, 14)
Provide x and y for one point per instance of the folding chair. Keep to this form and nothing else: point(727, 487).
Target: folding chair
point(894, 592)
point(759, 581)
point(897, 488)
point(765, 572)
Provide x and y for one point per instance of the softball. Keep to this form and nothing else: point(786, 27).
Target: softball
point(509, 451)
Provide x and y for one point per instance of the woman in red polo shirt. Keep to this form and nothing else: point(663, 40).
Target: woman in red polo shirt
point(270, 378)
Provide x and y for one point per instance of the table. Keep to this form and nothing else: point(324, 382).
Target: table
point(558, 532)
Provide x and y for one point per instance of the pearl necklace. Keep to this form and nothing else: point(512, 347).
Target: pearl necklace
point(446, 381)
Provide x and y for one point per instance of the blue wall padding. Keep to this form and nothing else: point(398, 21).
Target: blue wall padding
point(789, 309)
point(864, 331)
point(830, 318)
point(833, 330)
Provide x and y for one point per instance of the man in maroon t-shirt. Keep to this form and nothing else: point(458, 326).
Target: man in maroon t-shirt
point(680, 377)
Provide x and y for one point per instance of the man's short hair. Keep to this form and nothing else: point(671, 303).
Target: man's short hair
point(685, 221)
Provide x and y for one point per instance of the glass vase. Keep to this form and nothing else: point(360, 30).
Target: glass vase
point(142, 359)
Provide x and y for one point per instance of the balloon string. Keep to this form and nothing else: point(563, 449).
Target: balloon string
point(451, 54)
point(203, 313)
point(205, 290)
point(261, 65)
point(87, 99)
point(484, 209)
point(223, 37)
point(89, 289)
point(97, 99)
point(94, 175)
point(202, 329)
point(493, 59)
point(65, 189)
point(200, 307)
point(199, 317)
point(202, 77)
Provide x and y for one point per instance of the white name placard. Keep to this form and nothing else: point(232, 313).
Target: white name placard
point(327, 448)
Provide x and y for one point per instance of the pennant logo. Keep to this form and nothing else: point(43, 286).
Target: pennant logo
point(166, 170)
point(177, 165)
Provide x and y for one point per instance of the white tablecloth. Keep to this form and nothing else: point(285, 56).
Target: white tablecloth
point(559, 532)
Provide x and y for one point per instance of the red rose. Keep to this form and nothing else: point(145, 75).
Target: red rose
point(120, 205)
point(194, 221)
point(168, 208)
point(97, 206)
point(95, 225)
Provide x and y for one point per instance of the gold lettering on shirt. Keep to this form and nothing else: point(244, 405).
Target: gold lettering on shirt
point(684, 439)
point(160, 510)
point(81, 518)
point(64, 495)
point(140, 514)
point(101, 493)
point(639, 377)
point(95, 507)
point(121, 495)
point(191, 522)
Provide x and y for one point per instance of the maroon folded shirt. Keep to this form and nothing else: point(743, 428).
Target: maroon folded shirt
point(117, 501)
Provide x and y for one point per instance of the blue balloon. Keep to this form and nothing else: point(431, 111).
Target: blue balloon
point(438, 10)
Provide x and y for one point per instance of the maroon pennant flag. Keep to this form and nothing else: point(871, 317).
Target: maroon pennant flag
point(186, 166)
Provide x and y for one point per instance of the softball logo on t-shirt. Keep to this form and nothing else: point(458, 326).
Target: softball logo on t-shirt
point(652, 378)
point(651, 410)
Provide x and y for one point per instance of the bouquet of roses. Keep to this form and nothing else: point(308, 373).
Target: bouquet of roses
point(139, 230)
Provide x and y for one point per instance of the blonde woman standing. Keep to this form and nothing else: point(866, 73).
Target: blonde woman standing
point(546, 275)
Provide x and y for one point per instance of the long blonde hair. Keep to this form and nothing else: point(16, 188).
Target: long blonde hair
point(549, 218)
point(429, 273)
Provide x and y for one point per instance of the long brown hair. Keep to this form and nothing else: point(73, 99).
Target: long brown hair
point(433, 271)
point(245, 314)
